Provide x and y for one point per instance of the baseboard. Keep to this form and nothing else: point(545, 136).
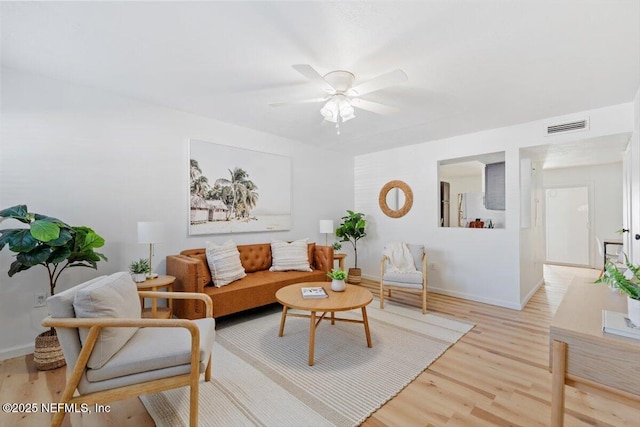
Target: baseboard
point(524, 302)
point(17, 351)
point(462, 295)
point(476, 298)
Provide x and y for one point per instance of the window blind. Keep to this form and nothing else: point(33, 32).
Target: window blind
point(494, 186)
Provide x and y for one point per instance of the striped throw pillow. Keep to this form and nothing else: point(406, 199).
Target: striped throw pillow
point(224, 263)
point(289, 256)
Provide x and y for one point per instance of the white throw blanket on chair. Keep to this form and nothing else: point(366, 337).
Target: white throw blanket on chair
point(400, 258)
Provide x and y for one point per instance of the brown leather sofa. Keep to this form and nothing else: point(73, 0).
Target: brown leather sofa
point(258, 288)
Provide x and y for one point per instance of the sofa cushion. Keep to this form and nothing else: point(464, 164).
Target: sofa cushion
point(113, 296)
point(256, 257)
point(204, 274)
point(224, 263)
point(290, 256)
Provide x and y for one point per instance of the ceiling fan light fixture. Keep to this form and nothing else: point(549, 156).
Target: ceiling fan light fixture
point(346, 111)
point(330, 111)
point(343, 96)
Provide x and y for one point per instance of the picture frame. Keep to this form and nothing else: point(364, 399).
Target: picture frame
point(237, 190)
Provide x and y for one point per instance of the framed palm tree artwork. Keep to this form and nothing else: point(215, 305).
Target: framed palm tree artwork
point(235, 190)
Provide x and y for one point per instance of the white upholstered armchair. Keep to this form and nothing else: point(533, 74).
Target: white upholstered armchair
point(114, 354)
point(403, 277)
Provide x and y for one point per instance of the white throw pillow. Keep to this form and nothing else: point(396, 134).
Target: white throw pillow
point(112, 296)
point(224, 263)
point(289, 256)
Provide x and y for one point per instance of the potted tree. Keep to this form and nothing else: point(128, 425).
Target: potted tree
point(139, 269)
point(351, 230)
point(627, 282)
point(56, 246)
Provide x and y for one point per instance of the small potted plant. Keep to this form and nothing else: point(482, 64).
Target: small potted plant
point(337, 280)
point(627, 282)
point(351, 230)
point(336, 246)
point(139, 270)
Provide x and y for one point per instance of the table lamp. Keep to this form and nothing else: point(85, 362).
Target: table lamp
point(326, 227)
point(150, 232)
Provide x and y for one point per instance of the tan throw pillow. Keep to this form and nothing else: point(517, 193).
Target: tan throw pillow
point(290, 256)
point(224, 263)
point(113, 296)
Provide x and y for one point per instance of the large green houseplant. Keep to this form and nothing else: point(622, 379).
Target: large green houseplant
point(53, 244)
point(627, 282)
point(351, 230)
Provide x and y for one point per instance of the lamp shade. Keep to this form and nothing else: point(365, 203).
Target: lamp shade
point(150, 232)
point(326, 226)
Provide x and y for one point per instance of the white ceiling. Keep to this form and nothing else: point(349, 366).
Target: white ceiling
point(471, 65)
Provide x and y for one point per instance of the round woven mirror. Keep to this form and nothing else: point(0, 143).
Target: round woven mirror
point(396, 199)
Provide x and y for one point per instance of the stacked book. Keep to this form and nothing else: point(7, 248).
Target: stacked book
point(314, 292)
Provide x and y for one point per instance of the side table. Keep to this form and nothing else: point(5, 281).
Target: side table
point(340, 258)
point(155, 312)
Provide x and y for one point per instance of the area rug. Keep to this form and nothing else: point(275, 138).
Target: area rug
point(259, 379)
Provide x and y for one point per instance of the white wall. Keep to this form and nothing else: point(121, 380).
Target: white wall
point(478, 264)
point(605, 199)
point(98, 159)
point(531, 229)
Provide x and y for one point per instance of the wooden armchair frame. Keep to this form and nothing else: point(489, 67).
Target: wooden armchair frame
point(422, 291)
point(96, 324)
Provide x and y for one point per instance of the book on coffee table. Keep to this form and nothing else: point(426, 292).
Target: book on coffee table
point(618, 324)
point(314, 292)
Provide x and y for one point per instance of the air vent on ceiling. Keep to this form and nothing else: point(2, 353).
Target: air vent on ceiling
point(568, 127)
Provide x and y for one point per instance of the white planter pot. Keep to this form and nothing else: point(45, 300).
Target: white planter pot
point(141, 277)
point(633, 311)
point(338, 285)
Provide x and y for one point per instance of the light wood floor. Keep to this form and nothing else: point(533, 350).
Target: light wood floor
point(497, 375)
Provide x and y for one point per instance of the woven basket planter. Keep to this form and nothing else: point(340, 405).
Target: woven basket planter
point(48, 353)
point(354, 276)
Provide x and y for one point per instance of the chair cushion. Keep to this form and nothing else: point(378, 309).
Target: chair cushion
point(156, 348)
point(290, 256)
point(60, 305)
point(114, 296)
point(414, 277)
point(416, 252)
point(224, 263)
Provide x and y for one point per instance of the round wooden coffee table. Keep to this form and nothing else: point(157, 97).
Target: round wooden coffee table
point(351, 298)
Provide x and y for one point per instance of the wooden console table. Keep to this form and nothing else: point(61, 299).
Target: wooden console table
point(582, 355)
point(340, 257)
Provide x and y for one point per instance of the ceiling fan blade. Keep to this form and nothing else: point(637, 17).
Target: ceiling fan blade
point(377, 83)
point(297, 101)
point(374, 107)
point(309, 72)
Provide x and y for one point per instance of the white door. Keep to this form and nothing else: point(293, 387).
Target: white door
point(567, 225)
point(626, 202)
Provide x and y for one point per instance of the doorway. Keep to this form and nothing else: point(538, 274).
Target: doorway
point(567, 225)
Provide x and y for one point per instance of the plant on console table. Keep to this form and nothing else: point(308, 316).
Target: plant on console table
point(628, 282)
point(351, 230)
point(56, 246)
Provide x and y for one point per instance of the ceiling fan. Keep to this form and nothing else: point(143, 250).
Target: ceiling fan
point(341, 96)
